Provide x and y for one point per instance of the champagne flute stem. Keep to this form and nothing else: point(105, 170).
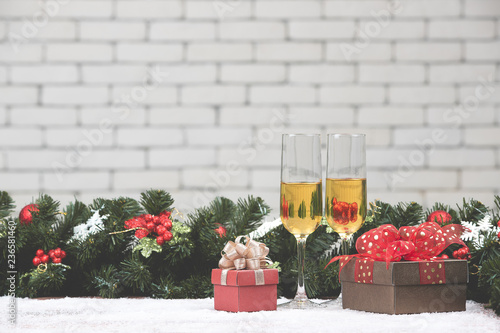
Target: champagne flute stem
point(345, 245)
point(301, 252)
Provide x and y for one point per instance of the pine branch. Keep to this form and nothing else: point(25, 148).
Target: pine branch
point(105, 282)
point(248, 216)
point(472, 211)
point(135, 274)
point(156, 201)
point(74, 214)
point(6, 205)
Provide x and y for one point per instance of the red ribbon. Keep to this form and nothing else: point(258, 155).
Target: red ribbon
point(387, 243)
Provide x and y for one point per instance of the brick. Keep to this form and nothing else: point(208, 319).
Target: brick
point(265, 178)
point(481, 179)
point(149, 136)
point(219, 52)
point(430, 8)
point(251, 116)
point(463, 157)
point(482, 136)
point(214, 178)
point(376, 180)
point(20, 137)
point(72, 95)
point(3, 116)
point(115, 159)
point(39, 159)
point(422, 94)
point(252, 73)
point(181, 157)
point(145, 180)
point(206, 9)
point(453, 73)
point(86, 9)
point(394, 30)
point(251, 30)
point(461, 29)
point(430, 51)
point(212, 94)
point(321, 73)
point(394, 73)
point(53, 30)
point(287, 9)
point(390, 115)
point(19, 181)
point(20, 53)
point(217, 136)
point(79, 137)
point(3, 30)
point(457, 115)
point(320, 115)
point(482, 51)
point(351, 95)
point(188, 73)
point(159, 95)
point(387, 158)
point(112, 30)
point(142, 52)
point(115, 115)
point(289, 52)
point(76, 180)
point(476, 96)
point(426, 137)
point(351, 52)
point(250, 156)
point(43, 116)
point(114, 74)
point(354, 8)
point(18, 95)
point(482, 8)
point(428, 179)
point(374, 136)
point(80, 52)
point(44, 74)
point(148, 9)
point(182, 116)
point(3, 74)
point(182, 31)
point(321, 29)
point(10, 9)
point(282, 94)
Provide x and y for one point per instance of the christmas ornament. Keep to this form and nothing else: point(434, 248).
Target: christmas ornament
point(39, 253)
point(462, 253)
point(156, 226)
point(439, 216)
point(344, 212)
point(221, 230)
point(56, 255)
point(25, 216)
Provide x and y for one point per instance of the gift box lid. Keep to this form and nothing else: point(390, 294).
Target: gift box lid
point(246, 277)
point(409, 272)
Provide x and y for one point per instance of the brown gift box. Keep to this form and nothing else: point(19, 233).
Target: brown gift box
point(398, 290)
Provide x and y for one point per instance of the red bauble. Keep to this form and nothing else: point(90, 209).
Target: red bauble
point(221, 231)
point(45, 259)
point(439, 216)
point(36, 261)
point(167, 236)
point(25, 216)
point(39, 253)
point(160, 240)
point(56, 260)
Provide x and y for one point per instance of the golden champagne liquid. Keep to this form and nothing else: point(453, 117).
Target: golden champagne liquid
point(345, 204)
point(301, 207)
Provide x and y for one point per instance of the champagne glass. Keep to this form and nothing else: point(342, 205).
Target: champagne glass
point(301, 198)
point(345, 199)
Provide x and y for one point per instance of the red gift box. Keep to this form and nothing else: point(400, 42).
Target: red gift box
point(245, 290)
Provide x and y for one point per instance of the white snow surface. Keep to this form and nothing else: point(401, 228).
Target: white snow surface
point(198, 315)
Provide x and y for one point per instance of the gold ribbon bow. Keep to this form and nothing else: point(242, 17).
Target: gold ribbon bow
point(251, 255)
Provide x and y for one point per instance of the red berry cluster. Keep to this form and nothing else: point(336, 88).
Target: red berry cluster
point(151, 225)
point(56, 255)
point(462, 253)
point(343, 212)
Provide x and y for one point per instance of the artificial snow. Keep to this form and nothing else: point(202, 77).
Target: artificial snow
point(197, 315)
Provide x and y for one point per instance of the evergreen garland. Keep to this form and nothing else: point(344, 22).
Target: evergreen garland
point(105, 260)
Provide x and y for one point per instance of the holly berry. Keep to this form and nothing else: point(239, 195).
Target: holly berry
point(498, 235)
point(25, 216)
point(439, 216)
point(63, 254)
point(36, 261)
point(167, 236)
point(498, 223)
point(45, 259)
point(160, 240)
point(141, 233)
point(56, 260)
point(168, 224)
point(156, 220)
point(444, 256)
point(51, 254)
point(160, 230)
point(150, 226)
point(57, 253)
point(148, 217)
point(39, 253)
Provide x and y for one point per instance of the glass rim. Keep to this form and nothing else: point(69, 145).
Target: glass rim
point(346, 134)
point(300, 134)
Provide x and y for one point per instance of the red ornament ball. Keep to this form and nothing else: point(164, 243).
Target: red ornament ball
point(439, 216)
point(39, 253)
point(45, 258)
point(25, 216)
point(167, 236)
point(37, 261)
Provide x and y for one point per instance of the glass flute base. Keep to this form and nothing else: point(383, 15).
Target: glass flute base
point(300, 304)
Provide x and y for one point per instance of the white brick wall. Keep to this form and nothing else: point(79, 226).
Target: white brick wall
point(82, 114)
